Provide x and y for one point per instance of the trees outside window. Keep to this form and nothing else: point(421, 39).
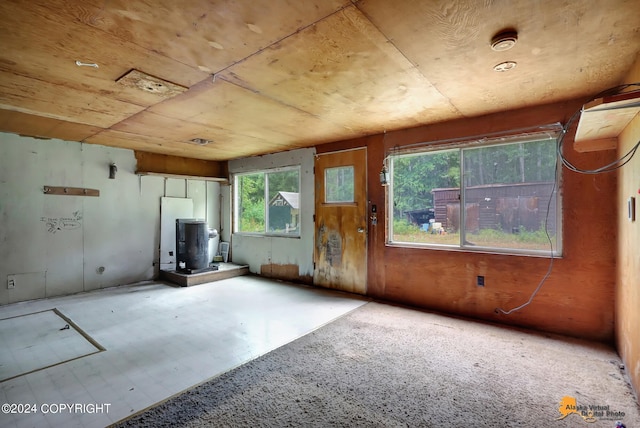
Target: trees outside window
point(500, 197)
point(268, 202)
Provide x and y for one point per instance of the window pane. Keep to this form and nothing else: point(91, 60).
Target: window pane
point(251, 203)
point(426, 189)
point(509, 195)
point(284, 202)
point(338, 184)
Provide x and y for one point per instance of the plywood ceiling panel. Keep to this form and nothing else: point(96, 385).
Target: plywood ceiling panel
point(230, 107)
point(209, 35)
point(344, 70)
point(46, 39)
point(173, 129)
point(241, 147)
point(563, 47)
point(270, 75)
point(60, 102)
point(44, 78)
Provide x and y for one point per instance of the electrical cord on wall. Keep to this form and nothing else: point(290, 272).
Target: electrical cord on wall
point(546, 231)
point(610, 167)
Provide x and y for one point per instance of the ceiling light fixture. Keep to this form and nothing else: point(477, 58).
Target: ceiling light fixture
point(86, 64)
point(505, 66)
point(384, 172)
point(384, 175)
point(200, 141)
point(504, 40)
point(112, 171)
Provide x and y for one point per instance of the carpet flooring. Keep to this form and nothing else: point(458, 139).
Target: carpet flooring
point(387, 366)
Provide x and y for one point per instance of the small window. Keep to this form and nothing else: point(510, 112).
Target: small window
point(268, 202)
point(339, 185)
point(501, 197)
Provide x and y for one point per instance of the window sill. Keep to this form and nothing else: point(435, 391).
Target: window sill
point(266, 235)
point(478, 250)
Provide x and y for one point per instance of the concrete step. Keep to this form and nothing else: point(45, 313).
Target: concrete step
point(225, 270)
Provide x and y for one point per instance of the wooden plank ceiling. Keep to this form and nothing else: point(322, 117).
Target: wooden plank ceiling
point(261, 76)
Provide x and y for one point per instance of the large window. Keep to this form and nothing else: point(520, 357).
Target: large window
point(496, 197)
point(268, 202)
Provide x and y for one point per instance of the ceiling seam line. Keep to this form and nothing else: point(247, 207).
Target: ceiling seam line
point(283, 103)
point(299, 30)
point(415, 66)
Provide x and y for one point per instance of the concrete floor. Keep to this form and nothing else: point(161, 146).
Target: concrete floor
point(159, 340)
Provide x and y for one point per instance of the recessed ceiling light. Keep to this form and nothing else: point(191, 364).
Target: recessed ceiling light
point(200, 141)
point(505, 66)
point(504, 40)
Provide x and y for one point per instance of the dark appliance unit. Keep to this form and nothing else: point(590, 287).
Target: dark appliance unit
point(192, 245)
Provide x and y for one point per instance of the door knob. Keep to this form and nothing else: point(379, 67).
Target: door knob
point(361, 230)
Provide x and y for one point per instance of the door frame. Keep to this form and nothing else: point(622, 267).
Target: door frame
point(363, 211)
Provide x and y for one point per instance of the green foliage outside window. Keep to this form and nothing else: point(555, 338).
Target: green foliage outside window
point(254, 193)
point(508, 193)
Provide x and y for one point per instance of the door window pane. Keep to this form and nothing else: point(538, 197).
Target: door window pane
point(338, 184)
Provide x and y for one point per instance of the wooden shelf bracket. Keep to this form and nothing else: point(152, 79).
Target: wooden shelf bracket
point(70, 191)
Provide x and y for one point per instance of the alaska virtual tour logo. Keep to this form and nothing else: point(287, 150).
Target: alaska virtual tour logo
point(589, 413)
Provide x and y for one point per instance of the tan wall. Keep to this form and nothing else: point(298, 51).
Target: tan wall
point(578, 297)
point(628, 284)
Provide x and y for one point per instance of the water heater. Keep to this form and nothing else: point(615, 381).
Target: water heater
point(192, 239)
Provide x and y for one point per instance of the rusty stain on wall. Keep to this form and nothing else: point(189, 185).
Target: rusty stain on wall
point(286, 272)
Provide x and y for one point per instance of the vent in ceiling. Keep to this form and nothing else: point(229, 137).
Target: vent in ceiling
point(138, 80)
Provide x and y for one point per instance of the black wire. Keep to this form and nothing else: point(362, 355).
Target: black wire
point(546, 231)
point(613, 166)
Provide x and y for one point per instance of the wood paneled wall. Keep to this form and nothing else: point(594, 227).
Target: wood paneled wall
point(578, 297)
point(628, 283)
point(154, 163)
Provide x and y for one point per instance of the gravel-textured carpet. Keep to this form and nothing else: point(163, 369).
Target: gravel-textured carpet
point(387, 366)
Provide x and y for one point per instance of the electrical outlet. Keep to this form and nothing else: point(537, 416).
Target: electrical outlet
point(11, 282)
point(480, 281)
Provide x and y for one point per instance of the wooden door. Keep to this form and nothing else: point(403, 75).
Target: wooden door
point(341, 221)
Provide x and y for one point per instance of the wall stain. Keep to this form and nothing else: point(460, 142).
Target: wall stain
point(334, 248)
point(286, 272)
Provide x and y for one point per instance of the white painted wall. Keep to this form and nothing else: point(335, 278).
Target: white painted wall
point(256, 251)
point(104, 241)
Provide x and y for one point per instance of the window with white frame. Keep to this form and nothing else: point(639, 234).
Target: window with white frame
point(495, 196)
point(268, 202)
